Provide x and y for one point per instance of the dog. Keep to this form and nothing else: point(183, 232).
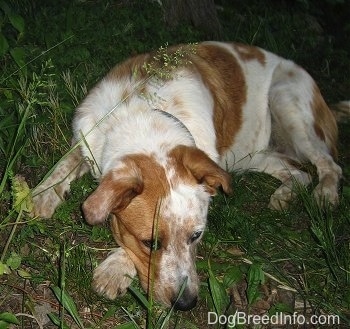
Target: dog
point(161, 138)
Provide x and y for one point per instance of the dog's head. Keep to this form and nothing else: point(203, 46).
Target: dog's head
point(159, 210)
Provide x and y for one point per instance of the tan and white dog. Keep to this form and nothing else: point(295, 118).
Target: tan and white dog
point(160, 148)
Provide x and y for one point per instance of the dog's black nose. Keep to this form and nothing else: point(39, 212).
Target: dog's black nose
point(185, 302)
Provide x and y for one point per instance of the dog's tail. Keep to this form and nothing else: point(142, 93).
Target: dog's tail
point(341, 111)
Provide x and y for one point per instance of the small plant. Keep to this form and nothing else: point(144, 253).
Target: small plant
point(25, 102)
point(21, 204)
point(166, 61)
point(7, 319)
point(12, 263)
point(255, 278)
point(234, 275)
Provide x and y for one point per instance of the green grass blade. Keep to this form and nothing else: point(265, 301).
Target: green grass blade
point(68, 303)
point(254, 279)
point(140, 297)
point(218, 293)
point(57, 321)
point(110, 312)
point(232, 276)
point(14, 154)
point(9, 318)
point(136, 326)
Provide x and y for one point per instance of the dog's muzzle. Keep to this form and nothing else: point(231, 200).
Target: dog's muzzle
point(185, 302)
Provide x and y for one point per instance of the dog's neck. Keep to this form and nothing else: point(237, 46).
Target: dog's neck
point(177, 120)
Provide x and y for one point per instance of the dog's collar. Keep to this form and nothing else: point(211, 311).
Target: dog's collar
point(177, 120)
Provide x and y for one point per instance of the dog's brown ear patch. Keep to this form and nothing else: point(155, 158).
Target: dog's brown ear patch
point(205, 170)
point(115, 192)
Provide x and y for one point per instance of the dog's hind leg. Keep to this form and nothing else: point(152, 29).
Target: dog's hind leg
point(50, 193)
point(284, 169)
point(304, 129)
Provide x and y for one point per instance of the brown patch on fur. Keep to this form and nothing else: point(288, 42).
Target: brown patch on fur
point(114, 193)
point(132, 70)
point(137, 221)
point(325, 125)
point(249, 53)
point(220, 72)
point(223, 76)
point(194, 166)
point(177, 103)
point(132, 67)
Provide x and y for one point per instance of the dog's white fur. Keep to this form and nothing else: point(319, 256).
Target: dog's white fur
point(230, 105)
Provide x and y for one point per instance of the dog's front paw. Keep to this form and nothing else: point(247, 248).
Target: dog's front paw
point(45, 202)
point(114, 275)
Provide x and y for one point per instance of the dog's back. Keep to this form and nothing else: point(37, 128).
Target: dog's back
point(245, 107)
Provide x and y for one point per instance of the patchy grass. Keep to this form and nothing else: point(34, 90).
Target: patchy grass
point(252, 259)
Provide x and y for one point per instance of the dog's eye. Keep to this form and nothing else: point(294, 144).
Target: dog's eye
point(152, 244)
point(195, 236)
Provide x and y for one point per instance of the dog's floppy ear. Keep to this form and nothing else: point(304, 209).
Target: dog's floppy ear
point(114, 193)
point(205, 170)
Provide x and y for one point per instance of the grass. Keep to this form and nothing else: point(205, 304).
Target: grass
point(252, 259)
